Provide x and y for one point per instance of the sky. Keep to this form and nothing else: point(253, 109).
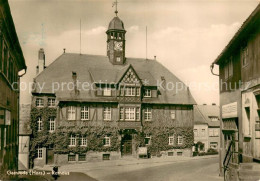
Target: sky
point(186, 36)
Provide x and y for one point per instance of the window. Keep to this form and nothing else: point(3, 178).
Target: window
point(121, 114)
point(71, 158)
point(215, 132)
point(180, 140)
point(213, 145)
point(51, 102)
point(39, 102)
point(83, 141)
point(130, 113)
point(170, 153)
point(137, 113)
point(130, 91)
point(147, 93)
point(229, 68)
point(213, 118)
point(39, 124)
point(245, 56)
point(247, 121)
point(147, 139)
point(203, 131)
point(138, 91)
point(171, 139)
point(147, 114)
point(179, 153)
point(118, 59)
point(39, 153)
point(72, 140)
point(107, 92)
point(195, 132)
point(107, 141)
point(210, 132)
point(106, 156)
point(84, 114)
point(107, 113)
point(82, 157)
point(71, 113)
point(173, 114)
point(51, 124)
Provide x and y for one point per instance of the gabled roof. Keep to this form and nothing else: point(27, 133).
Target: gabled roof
point(250, 25)
point(202, 114)
point(95, 68)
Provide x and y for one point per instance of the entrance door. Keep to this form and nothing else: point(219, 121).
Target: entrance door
point(50, 156)
point(126, 145)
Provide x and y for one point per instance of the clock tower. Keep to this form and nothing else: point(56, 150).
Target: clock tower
point(116, 41)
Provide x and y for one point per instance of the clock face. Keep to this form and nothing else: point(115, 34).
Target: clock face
point(118, 46)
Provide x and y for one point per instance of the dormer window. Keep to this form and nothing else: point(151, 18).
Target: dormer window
point(147, 93)
point(130, 91)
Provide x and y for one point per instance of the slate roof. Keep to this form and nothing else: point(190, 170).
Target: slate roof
point(116, 24)
point(241, 35)
point(95, 68)
point(203, 112)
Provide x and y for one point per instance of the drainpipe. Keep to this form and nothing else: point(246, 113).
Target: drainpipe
point(211, 69)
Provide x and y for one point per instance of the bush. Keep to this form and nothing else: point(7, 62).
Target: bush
point(211, 150)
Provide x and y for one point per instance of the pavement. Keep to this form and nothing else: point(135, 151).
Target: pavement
point(130, 168)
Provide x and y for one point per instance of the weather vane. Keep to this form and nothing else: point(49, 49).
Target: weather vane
point(115, 4)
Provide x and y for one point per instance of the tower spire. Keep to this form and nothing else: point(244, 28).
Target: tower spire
point(115, 4)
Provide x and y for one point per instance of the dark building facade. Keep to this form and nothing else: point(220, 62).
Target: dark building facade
point(11, 62)
point(239, 73)
point(95, 107)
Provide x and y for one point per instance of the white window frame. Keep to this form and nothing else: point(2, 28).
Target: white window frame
point(71, 113)
point(83, 141)
point(195, 131)
point(73, 140)
point(171, 140)
point(39, 124)
point(130, 91)
point(107, 141)
point(148, 136)
point(121, 113)
point(180, 140)
point(138, 113)
point(84, 113)
point(51, 102)
point(147, 93)
point(138, 90)
point(39, 153)
point(130, 113)
point(39, 102)
point(107, 113)
point(173, 114)
point(148, 114)
point(52, 124)
point(107, 92)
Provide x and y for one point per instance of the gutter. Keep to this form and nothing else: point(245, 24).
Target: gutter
point(211, 69)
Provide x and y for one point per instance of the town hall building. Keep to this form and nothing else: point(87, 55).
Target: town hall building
point(95, 107)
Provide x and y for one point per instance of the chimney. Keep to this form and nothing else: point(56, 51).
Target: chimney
point(64, 50)
point(74, 77)
point(41, 61)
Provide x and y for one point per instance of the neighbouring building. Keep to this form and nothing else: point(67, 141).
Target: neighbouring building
point(11, 62)
point(239, 76)
point(207, 126)
point(92, 107)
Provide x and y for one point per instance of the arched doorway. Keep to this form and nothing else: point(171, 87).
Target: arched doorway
point(126, 144)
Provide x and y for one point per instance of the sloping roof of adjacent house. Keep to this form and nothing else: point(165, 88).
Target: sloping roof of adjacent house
point(202, 114)
point(96, 68)
point(249, 25)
